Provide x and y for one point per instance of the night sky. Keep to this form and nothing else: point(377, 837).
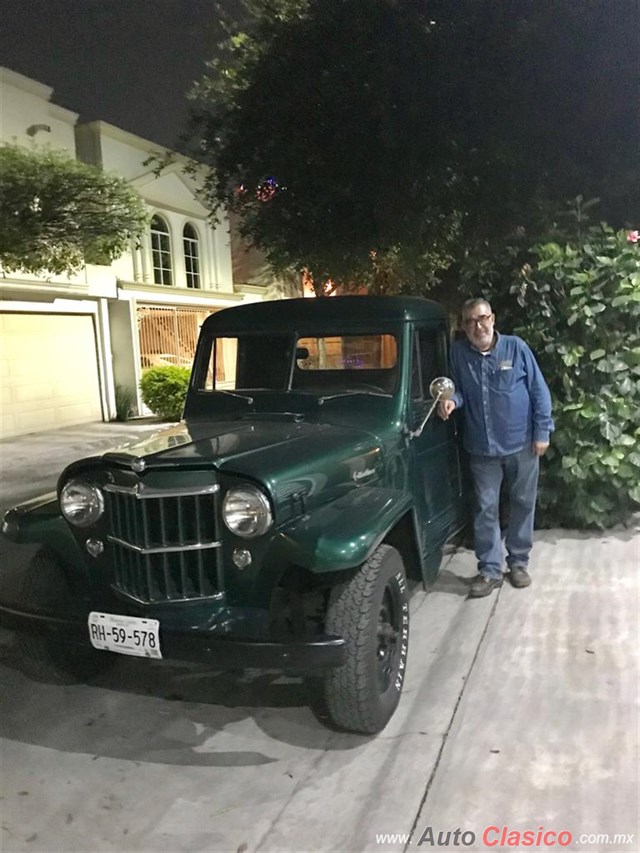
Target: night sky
point(131, 63)
point(127, 62)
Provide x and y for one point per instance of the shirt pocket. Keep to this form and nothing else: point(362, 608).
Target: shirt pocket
point(502, 379)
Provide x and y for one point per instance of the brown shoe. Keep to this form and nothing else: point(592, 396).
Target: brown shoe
point(482, 586)
point(519, 577)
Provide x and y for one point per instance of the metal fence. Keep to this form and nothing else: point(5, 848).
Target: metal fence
point(168, 335)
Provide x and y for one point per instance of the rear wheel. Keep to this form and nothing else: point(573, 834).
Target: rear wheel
point(371, 611)
point(47, 658)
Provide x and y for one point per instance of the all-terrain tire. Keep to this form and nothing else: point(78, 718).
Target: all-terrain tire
point(371, 611)
point(46, 658)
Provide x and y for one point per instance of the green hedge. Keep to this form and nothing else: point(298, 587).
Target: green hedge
point(582, 316)
point(164, 390)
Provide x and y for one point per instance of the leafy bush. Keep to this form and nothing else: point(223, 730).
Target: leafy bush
point(164, 390)
point(577, 303)
point(582, 317)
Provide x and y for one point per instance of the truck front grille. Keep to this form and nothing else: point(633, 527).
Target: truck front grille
point(165, 541)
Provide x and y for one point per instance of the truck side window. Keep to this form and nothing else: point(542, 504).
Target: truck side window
point(432, 355)
point(416, 376)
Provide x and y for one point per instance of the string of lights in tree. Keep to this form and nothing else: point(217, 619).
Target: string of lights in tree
point(265, 190)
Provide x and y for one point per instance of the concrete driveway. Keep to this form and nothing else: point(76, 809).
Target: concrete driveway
point(519, 714)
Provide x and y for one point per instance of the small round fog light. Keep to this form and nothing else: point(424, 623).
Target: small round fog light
point(242, 558)
point(95, 547)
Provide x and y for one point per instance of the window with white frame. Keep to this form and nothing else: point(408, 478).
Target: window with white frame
point(191, 255)
point(161, 251)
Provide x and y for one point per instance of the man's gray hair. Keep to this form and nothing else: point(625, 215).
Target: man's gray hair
point(470, 304)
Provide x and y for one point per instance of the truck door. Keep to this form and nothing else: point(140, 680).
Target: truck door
point(435, 466)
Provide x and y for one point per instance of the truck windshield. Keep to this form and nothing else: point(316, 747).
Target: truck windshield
point(312, 363)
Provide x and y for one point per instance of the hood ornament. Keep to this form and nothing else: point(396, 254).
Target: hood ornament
point(138, 464)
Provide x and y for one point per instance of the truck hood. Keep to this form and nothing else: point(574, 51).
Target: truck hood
point(292, 459)
point(227, 445)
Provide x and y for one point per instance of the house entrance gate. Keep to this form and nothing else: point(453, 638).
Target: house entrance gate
point(168, 335)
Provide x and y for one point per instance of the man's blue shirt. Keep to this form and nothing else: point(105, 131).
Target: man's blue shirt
point(503, 396)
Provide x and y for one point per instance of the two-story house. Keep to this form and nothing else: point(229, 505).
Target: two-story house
point(66, 342)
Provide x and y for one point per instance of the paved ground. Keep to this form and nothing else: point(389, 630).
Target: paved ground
point(520, 713)
point(30, 464)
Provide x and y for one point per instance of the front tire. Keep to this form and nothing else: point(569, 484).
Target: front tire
point(45, 658)
point(371, 611)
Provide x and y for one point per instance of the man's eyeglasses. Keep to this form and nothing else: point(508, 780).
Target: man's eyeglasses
point(472, 322)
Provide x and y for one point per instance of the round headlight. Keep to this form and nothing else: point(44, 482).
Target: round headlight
point(246, 512)
point(81, 503)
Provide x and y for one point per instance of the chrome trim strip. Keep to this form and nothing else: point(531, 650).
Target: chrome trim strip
point(198, 546)
point(167, 602)
point(141, 492)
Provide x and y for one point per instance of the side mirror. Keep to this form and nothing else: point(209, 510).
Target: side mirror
point(441, 388)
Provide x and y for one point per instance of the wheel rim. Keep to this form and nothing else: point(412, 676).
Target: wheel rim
point(388, 636)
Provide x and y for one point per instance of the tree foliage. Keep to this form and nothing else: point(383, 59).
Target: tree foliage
point(575, 298)
point(370, 139)
point(57, 213)
point(310, 121)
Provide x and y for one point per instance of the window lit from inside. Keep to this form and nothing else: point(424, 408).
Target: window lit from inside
point(191, 257)
point(161, 251)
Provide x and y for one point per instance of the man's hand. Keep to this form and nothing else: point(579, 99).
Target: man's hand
point(445, 407)
point(540, 447)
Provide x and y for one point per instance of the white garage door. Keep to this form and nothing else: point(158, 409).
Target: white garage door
point(48, 372)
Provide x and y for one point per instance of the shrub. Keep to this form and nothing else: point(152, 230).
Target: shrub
point(164, 390)
point(124, 402)
point(576, 302)
point(582, 317)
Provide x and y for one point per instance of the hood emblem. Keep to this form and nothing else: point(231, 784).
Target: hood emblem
point(360, 475)
point(138, 464)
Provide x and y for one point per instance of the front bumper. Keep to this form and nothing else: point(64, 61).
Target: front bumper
point(219, 652)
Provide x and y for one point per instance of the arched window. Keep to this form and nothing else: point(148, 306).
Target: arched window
point(161, 251)
point(191, 255)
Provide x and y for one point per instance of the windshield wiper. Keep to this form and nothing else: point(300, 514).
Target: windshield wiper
point(321, 400)
point(235, 394)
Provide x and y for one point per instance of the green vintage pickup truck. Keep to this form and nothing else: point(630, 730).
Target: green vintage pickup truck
point(278, 526)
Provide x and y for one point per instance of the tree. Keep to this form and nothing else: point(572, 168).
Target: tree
point(356, 137)
point(57, 213)
point(289, 120)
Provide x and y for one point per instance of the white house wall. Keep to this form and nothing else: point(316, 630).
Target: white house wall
point(25, 106)
point(122, 326)
point(173, 195)
point(52, 319)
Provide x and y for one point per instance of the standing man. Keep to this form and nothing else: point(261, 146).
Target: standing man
point(506, 407)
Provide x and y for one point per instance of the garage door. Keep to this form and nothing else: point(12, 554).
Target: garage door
point(48, 372)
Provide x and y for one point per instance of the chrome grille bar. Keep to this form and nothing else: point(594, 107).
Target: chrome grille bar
point(144, 492)
point(165, 549)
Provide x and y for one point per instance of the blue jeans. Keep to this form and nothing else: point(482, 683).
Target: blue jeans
point(520, 473)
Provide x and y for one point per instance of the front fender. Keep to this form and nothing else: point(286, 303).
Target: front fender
point(342, 534)
point(39, 521)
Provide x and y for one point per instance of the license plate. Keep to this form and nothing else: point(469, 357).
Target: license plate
point(127, 635)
